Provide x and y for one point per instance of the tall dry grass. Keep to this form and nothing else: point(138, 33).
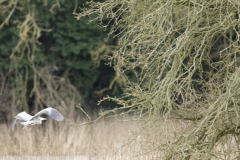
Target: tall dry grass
point(109, 138)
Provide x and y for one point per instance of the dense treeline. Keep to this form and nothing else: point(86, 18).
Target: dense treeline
point(47, 58)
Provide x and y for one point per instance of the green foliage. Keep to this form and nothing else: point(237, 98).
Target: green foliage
point(45, 54)
point(185, 55)
point(69, 44)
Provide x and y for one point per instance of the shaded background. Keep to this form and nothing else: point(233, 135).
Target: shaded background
point(48, 58)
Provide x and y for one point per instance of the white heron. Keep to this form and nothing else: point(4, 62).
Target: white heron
point(27, 119)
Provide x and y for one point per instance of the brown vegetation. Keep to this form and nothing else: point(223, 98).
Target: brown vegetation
point(109, 138)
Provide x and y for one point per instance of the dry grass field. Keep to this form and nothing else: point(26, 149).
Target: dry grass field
point(109, 138)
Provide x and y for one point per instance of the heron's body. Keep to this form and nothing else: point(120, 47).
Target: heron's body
point(27, 119)
point(36, 120)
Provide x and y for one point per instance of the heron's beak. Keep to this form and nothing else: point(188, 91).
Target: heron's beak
point(43, 118)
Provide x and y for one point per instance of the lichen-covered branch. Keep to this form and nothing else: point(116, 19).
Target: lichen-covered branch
point(186, 54)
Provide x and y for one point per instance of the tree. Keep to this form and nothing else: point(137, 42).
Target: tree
point(185, 55)
point(45, 55)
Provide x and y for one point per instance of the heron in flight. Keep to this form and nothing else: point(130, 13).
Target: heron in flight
point(27, 119)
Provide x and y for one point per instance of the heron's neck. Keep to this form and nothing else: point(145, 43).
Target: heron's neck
point(42, 119)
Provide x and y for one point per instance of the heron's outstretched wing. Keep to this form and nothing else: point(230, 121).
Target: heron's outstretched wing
point(51, 112)
point(14, 123)
point(23, 116)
